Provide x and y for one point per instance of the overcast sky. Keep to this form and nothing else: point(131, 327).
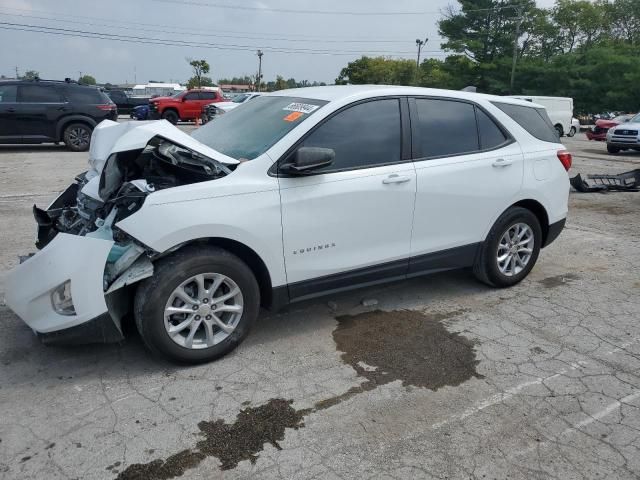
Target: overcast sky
point(236, 31)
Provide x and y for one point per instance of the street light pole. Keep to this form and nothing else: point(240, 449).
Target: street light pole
point(259, 79)
point(420, 44)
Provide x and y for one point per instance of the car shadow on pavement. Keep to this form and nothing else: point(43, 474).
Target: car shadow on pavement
point(46, 147)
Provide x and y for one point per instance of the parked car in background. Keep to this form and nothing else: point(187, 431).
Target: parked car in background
point(210, 111)
point(272, 203)
point(625, 136)
point(141, 112)
point(599, 131)
point(41, 111)
point(126, 102)
point(184, 106)
point(559, 109)
point(575, 127)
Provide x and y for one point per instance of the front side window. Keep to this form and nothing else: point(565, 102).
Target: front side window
point(38, 94)
point(533, 120)
point(8, 93)
point(446, 127)
point(248, 132)
point(365, 135)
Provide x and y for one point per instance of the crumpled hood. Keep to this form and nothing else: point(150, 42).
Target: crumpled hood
point(111, 137)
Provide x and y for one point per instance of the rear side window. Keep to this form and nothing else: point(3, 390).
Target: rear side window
point(92, 96)
point(446, 127)
point(192, 96)
point(208, 95)
point(533, 120)
point(8, 93)
point(491, 136)
point(365, 135)
point(38, 94)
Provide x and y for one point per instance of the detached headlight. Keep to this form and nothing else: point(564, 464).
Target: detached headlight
point(61, 299)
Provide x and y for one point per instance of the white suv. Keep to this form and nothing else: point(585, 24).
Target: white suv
point(297, 194)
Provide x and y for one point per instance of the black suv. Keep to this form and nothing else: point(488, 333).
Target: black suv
point(39, 111)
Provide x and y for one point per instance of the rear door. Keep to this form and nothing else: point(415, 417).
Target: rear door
point(192, 105)
point(40, 106)
point(468, 168)
point(9, 130)
point(350, 223)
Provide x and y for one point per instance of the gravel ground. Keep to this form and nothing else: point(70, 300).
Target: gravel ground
point(440, 378)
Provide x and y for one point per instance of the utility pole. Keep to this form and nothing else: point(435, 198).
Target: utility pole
point(17, 74)
point(518, 20)
point(259, 79)
point(420, 44)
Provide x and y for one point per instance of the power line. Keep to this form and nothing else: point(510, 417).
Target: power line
point(180, 43)
point(318, 12)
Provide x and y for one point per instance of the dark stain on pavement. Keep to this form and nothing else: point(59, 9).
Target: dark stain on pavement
point(410, 346)
point(558, 280)
point(231, 443)
point(406, 345)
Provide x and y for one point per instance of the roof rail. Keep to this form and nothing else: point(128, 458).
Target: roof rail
point(38, 79)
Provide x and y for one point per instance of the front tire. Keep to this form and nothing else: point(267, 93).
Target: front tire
point(613, 149)
point(560, 130)
point(572, 132)
point(510, 250)
point(77, 137)
point(199, 305)
point(171, 116)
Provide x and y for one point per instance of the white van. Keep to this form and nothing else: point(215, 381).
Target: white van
point(559, 109)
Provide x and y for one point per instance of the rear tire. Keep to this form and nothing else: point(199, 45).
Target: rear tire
point(170, 116)
point(559, 129)
point(572, 132)
point(613, 149)
point(215, 328)
point(77, 137)
point(493, 265)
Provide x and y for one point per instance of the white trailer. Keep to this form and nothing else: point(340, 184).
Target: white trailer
point(559, 109)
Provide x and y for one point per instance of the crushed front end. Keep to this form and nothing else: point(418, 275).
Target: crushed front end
point(75, 289)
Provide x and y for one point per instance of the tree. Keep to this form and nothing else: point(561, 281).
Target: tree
point(378, 70)
point(195, 82)
point(31, 75)
point(87, 80)
point(200, 68)
point(280, 83)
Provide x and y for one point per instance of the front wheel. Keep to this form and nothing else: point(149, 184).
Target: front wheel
point(572, 132)
point(613, 149)
point(170, 116)
point(559, 129)
point(199, 305)
point(77, 137)
point(510, 250)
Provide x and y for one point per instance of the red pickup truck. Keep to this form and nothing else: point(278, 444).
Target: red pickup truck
point(184, 106)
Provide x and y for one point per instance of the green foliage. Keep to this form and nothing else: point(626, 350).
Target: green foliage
point(587, 50)
point(200, 68)
point(87, 80)
point(195, 82)
point(31, 75)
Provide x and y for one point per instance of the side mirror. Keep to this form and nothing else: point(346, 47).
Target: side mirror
point(307, 159)
point(627, 120)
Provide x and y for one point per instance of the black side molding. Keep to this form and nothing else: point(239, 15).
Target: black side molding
point(554, 232)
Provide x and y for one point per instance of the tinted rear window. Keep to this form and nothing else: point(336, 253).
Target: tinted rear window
point(89, 95)
point(533, 120)
point(491, 136)
point(38, 94)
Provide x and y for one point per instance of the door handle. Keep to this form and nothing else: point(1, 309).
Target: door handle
point(395, 178)
point(501, 162)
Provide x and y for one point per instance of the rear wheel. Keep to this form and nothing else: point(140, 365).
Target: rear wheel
point(199, 305)
point(559, 129)
point(572, 132)
point(77, 137)
point(170, 116)
point(510, 250)
point(612, 149)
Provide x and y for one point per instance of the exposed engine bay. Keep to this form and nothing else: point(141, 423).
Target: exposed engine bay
point(99, 199)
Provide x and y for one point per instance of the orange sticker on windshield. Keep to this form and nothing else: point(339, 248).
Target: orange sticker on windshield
point(293, 116)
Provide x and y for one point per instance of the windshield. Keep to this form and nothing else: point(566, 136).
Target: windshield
point(635, 119)
point(250, 131)
point(621, 118)
point(240, 98)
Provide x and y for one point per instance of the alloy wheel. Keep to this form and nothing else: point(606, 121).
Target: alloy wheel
point(515, 249)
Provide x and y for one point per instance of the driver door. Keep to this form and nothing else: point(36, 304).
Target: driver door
point(349, 223)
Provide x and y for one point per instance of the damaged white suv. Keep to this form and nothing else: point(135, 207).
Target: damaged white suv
point(296, 194)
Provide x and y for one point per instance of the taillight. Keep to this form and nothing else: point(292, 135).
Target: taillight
point(565, 158)
point(106, 107)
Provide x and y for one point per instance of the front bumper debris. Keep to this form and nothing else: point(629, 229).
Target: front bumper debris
point(80, 260)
